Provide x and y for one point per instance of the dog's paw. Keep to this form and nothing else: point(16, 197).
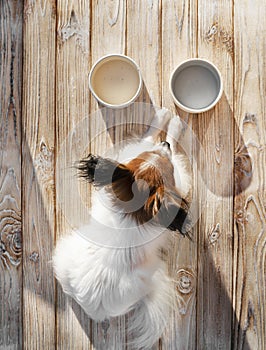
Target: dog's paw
point(175, 128)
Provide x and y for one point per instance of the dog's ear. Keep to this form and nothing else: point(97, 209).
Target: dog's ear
point(154, 202)
point(175, 215)
point(102, 171)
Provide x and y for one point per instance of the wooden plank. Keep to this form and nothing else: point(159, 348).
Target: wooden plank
point(72, 106)
point(108, 29)
point(179, 42)
point(250, 225)
point(216, 136)
point(11, 19)
point(144, 45)
point(107, 36)
point(38, 174)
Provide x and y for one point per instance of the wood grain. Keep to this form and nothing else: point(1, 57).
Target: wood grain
point(38, 174)
point(11, 15)
point(145, 49)
point(144, 45)
point(179, 42)
point(220, 276)
point(250, 225)
point(72, 106)
point(216, 136)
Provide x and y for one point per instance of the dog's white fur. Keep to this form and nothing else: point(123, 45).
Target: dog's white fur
point(112, 266)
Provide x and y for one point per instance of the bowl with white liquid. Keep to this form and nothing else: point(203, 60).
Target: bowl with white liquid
point(115, 81)
point(196, 85)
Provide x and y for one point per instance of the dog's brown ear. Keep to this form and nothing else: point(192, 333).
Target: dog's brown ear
point(175, 215)
point(154, 202)
point(102, 171)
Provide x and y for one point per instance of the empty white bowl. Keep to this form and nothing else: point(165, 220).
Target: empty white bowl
point(196, 85)
point(115, 81)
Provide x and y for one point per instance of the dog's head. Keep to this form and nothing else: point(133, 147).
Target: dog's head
point(143, 187)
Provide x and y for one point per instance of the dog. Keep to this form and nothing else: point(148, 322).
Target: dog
point(113, 266)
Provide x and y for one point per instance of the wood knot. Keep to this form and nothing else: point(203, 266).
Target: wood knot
point(219, 36)
point(214, 234)
point(34, 257)
point(10, 226)
point(16, 242)
point(185, 281)
point(112, 10)
point(78, 29)
point(11, 249)
point(243, 169)
point(212, 32)
point(44, 164)
point(241, 217)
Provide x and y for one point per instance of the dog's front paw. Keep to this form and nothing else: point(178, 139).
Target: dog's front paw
point(175, 128)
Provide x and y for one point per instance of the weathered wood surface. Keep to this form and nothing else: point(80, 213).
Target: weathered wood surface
point(220, 275)
point(11, 17)
point(216, 167)
point(72, 57)
point(249, 210)
point(38, 147)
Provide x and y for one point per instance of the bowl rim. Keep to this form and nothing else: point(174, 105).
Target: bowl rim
point(196, 110)
point(126, 58)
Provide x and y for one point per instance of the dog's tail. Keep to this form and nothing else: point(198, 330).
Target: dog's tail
point(151, 315)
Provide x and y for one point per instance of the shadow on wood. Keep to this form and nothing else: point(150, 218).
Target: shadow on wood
point(131, 121)
point(38, 241)
point(215, 131)
point(218, 322)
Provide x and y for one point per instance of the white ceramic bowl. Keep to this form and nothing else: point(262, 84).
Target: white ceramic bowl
point(196, 85)
point(115, 81)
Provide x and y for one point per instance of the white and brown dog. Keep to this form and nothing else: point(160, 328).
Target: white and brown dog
point(112, 266)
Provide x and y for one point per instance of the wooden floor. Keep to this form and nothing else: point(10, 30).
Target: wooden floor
point(46, 50)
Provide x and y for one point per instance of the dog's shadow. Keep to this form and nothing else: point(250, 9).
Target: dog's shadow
point(227, 154)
